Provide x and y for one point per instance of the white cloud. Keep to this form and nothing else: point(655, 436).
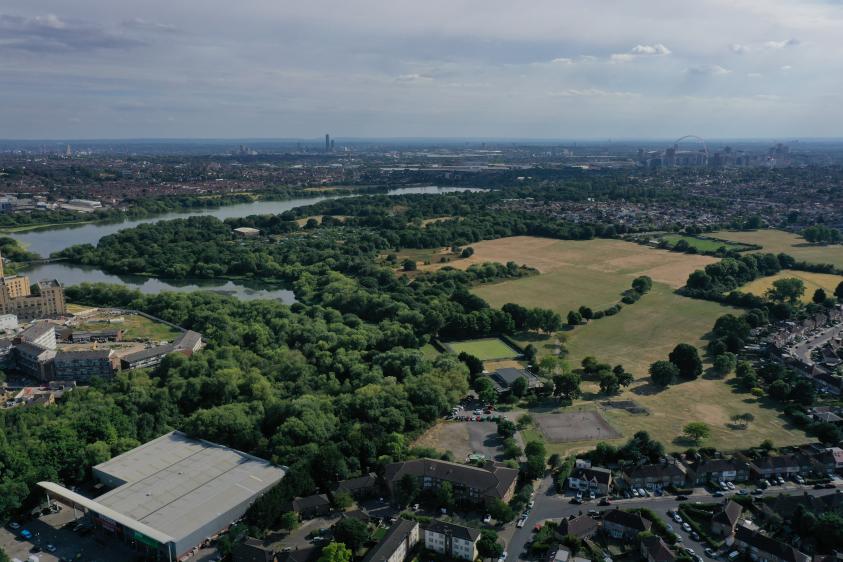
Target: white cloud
point(562, 60)
point(413, 78)
point(708, 70)
point(592, 93)
point(656, 49)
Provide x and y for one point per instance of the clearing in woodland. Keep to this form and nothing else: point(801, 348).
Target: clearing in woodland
point(813, 281)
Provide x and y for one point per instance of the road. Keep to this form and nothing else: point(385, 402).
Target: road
point(550, 505)
point(803, 349)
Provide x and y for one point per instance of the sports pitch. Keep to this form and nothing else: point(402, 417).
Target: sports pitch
point(485, 349)
point(575, 426)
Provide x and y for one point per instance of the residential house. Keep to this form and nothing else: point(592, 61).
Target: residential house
point(471, 483)
point(654, 549)
point(581, 526)
point(360, 487)
point(252, 550)
point(397, 544)
point(762, 548)
point(188, 342)
point(454, 541)
point(306, 554)
point(718, 470)
point(311, 506)
point(724, 520)
point(651, 476)
point(596, 480)
point(623, 525)
point(780, 465)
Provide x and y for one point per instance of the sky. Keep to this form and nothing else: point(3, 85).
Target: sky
point(556, 69)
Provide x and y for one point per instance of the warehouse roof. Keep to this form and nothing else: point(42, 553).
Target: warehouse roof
point(176, 485)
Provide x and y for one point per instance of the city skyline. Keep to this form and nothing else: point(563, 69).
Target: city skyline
point(550, 70)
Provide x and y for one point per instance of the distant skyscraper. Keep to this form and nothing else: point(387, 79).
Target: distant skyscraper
point(68, 152)
point(327, 142)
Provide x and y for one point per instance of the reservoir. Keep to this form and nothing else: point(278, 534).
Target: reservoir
point(46, 242)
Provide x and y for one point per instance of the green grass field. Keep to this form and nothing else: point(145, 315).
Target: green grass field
point(777, 241)
point(813, 281)
point(485, 349)
point(702, 244)
point(136, 328)
point(429, 352)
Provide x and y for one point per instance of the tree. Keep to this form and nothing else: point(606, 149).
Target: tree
point(343, 500)
point(642, 284)
point(408, 265)
point(467, 252)
point(351, 532)
point(624, 378)
point(445, 495)
point(289, 520)
point(530, 353)
point(408, 490)
point(687, 360)
point(663, 373)
point(506, 428)
point(766, 445)
point(819, 296)
point(586, 312)
point(519, 387)
point(725, 363)
point(696, 431)
point(838, 292)
point(609, 383)
point(574, 318)
point(567, 385)
point(485, 390)
point(779, 390)
point(500, 511)
point(789, 289)
point(743, 419)
point(488, 545)
point(335, 552)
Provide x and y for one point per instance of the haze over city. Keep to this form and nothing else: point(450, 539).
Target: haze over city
point(544, 69)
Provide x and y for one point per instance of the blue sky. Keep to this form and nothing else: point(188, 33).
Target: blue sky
point(460, 68)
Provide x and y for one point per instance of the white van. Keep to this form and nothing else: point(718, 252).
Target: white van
point(734, 554)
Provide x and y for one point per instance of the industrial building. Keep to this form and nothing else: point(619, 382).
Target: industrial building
point(171, 494)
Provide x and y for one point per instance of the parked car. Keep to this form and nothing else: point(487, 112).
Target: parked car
point(677, 518)
point(695, 536)
point(730, 485)
point(579, 495)
point(686, 527)
point(531, 504)
point(717, 494)
point(487, 519)
point(503, 556)
point(642, 492)
point(742, 492)
point(757, 491)
point(26, 534)
point(576, 501)
point(710, 552)
point(635, 492)
point(14, 525)
point(681, 497)
point(604, 501)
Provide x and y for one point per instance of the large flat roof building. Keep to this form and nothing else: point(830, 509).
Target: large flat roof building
point(173, 492)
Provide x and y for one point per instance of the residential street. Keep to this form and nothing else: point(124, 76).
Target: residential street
point(550, 505)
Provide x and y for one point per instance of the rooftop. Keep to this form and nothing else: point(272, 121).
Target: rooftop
point(176, 484)
point(396, 535)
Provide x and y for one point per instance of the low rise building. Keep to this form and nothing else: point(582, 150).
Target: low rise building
point(504, 378)
point(8, 322)
point(724, 520)
point(718, 470)
point(360, 487)
point(34, 360)
point(763, 548)
point(397, 544)
point(146, 358)
point(654, 549)
point(470, 483)
point(780, 465)
point(651, 476)
point(580, 526)
point(252, 550)
point(623, 525)
point(247, 231)
point(454, 541)
point(85, 364)
point(595, 480)
point(309, 507)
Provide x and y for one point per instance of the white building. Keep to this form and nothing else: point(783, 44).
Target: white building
point(8, 322)
point(454, 541)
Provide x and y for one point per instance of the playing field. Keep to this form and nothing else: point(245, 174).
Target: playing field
point(813, 281)
point(592, 273)
point(776, 241)
point(703, 244)
point(565, 427)
point(646, 331)
point(485, 349)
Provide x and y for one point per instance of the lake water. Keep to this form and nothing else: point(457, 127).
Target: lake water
point(46, 242)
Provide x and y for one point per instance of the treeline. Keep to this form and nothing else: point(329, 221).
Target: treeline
point(323, 392)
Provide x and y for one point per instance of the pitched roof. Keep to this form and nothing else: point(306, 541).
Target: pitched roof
point(657, 549)
point(83, 354)
point(491, 481)
point(728, 514)
point(776, 462)
point(359, 483)
point(670, 470)
point(252, 550)
point(595, 473)
point(580, 526)
point(148, 352)
point(36, 330)
point(308, 502)
point(763, 543)
point(627, 519)
point(457, 531)
point(720, 465)
point(396, 535)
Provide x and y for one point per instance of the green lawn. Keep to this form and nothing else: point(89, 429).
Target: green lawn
point(561, 290)
point(485, 349)
point(136, 328)
point(703, 244)
point(813, 281)
point(776, 241)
